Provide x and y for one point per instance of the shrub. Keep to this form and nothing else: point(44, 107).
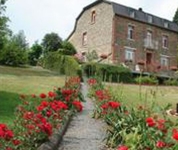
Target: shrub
point(171, 82)
point(108, 72)
point(62, 64)
point(146, 80)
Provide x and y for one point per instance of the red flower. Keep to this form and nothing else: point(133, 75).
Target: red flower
point(78, 105)
point(150, 122)
point(160, 144)
point(51, 94)
point(9, 148)
point(16, 142)
point(123, 147)
point(105, 106)
point(114, 104)
point(175, 134)
point(43, 95)
point(8, 135)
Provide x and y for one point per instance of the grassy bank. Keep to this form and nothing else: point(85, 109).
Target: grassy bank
point(15, 81)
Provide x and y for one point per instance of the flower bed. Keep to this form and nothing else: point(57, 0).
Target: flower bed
point(39, 117)
point(142, 128)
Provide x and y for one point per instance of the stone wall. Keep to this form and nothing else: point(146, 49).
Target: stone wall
point(99, 34)
point(139, 34)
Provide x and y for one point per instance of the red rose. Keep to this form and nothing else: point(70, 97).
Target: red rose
point(160, 144)
point(123, 147)
point(43, 95)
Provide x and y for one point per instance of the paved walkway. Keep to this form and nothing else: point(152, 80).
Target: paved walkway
point(84, 132)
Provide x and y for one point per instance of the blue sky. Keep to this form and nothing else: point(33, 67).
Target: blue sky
point(38, 17)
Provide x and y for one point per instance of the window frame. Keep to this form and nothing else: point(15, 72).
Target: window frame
point(93, 16)
point(165, 41)
point(164, 60)
point(129, 54)
point(130, 32)
point(84, 38)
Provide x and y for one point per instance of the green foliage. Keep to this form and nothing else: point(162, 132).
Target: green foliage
point(173, 82)
point(62, 64)
point(67, 48)
point(108, 72)
point(92, 55)
point(4, 31)
point(146, 80)
point(35, 53)
point(175, 18)
point(51, 42)
point(14, 52)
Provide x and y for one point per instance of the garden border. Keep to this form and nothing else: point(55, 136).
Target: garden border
point(56, 138)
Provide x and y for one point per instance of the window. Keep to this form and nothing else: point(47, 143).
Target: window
point(132, 13)
point(93, 16)
point(150, 19)
point(130, 32)
point(164, 61)
point(149, 38)
point(84, 38)
point(129, 54)
point(165, 41)
point(166, 24)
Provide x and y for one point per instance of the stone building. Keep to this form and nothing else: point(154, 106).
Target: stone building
point(127, 36)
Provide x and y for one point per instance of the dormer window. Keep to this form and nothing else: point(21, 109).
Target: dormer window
point(93, 16)
point(150, 19)
point(166, 24)
point(132, 13)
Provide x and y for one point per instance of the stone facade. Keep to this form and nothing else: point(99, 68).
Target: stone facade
point(99, 33)
point(137, 43)
point(109, 35)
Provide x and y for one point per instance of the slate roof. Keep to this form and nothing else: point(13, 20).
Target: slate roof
point(142, 16)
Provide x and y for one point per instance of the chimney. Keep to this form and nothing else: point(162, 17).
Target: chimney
point(140, 9)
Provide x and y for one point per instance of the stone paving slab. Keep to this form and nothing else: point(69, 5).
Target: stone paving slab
point(84, 132)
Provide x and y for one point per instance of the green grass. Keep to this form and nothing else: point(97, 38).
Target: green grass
point(16, 81)
point(134, 95)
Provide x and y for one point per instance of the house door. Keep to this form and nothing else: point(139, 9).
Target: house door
point(148, 58)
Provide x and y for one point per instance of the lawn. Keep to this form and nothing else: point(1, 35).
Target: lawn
point(134, 95)
point(16, 81)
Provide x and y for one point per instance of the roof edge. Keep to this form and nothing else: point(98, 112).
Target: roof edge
point(84, 9)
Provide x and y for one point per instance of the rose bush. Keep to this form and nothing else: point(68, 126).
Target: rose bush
point(39, 116)
point(133, 128)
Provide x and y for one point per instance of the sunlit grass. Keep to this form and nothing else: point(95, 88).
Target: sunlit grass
point(16, 81)
point(134, 95)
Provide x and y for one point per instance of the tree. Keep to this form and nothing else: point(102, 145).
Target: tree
point(14, 52)
point(4, 31)
point(67, 48)
point(35, 53)
point(175, 18)
point(51, 42)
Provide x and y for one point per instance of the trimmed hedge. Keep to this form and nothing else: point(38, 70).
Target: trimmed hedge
point(62, 64)
point(108, 72)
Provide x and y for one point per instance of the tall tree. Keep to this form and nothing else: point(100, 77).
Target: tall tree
point(175, 18)
point(35, 53)
point(51, 42)
point(3, 24)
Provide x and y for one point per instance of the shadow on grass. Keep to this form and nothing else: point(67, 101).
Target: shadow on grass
point(8, 103)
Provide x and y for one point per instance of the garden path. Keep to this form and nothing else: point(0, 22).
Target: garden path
point(84, 132)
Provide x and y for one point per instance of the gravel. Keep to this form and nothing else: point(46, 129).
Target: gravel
point(84, 132)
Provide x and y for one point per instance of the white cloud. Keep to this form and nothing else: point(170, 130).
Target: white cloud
point(38, 17)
